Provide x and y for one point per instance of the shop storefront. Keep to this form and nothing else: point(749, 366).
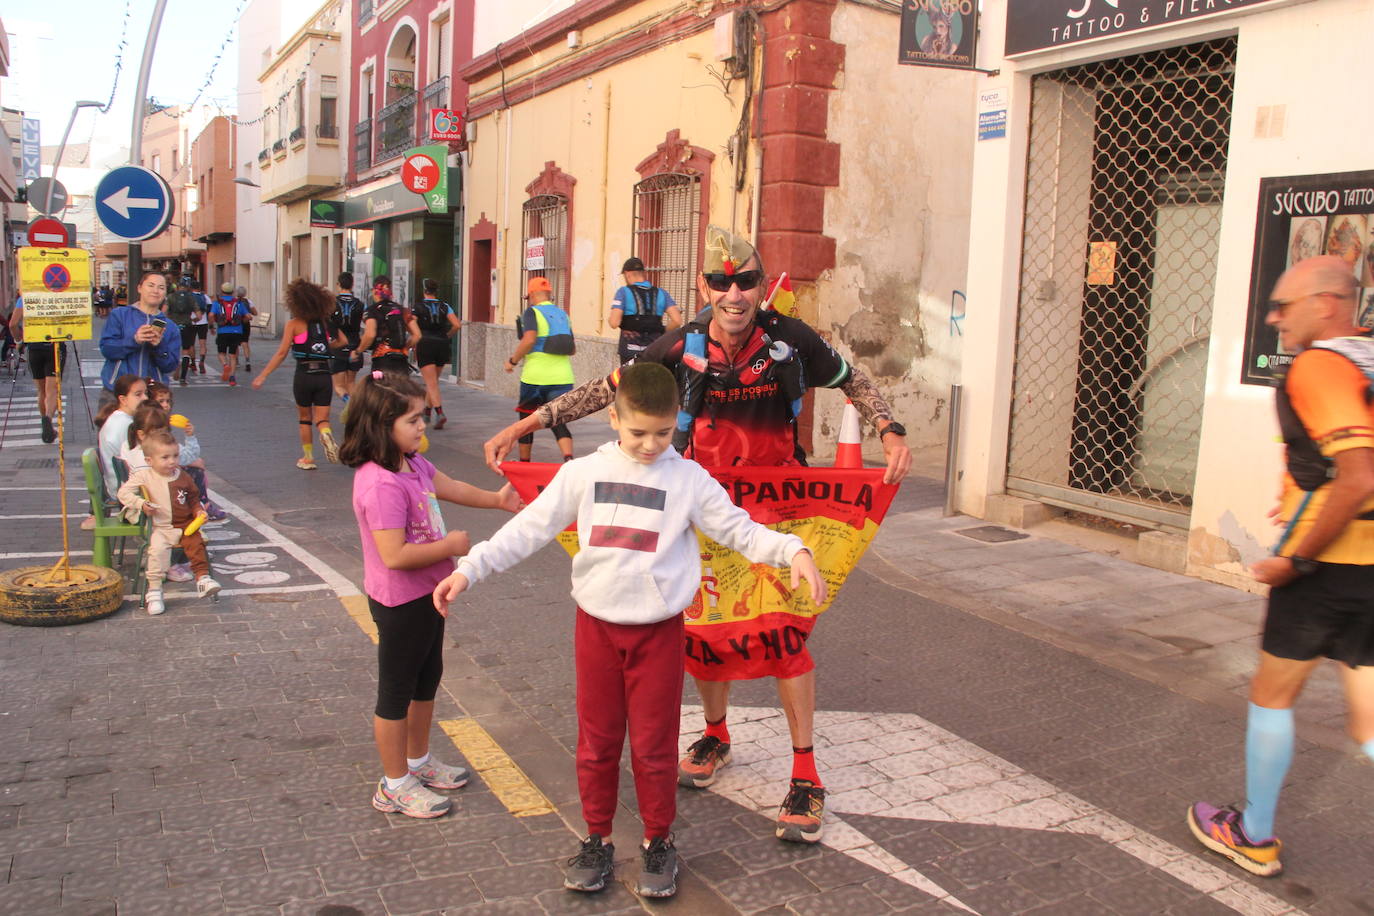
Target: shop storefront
point(1112, 340)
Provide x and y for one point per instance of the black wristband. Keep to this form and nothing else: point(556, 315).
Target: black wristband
point(1304, 566)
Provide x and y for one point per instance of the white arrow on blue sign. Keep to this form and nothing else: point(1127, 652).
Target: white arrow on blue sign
point(134, 203)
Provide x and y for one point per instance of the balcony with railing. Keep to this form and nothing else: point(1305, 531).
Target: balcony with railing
point(362, 145)
point(264, 158)
point(435, 95)
point(327, 131)
point(296, 137)
point(396, 127)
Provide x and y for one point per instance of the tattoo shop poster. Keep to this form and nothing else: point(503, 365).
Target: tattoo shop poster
point(746, 622)
point(1301, 217)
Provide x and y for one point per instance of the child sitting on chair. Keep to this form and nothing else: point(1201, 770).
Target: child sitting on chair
point(166, 494)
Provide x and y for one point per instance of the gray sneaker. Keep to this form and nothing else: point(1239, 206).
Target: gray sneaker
point(593, 864)
point(436, 775)
point(411, 799)
point(658, 876)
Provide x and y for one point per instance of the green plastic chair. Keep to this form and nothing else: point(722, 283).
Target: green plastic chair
point(110, 523)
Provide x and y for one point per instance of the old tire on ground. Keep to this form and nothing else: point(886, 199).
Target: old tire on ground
point(29, 600)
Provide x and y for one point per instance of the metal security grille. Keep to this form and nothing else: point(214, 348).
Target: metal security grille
point(1123, 211)
point(546, 217)
point(667, 216)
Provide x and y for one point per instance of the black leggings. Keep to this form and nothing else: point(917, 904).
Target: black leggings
point(410, 654)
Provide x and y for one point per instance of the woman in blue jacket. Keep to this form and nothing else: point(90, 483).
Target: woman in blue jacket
point(135, 341)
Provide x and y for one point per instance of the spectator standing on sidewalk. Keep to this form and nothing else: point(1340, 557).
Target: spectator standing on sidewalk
point(546, 346)
point(741, 372)
point(641, 311)
point(438, 324)
point(406, 553)
point(135, 340)
point(638, 506)
point(1321, 576)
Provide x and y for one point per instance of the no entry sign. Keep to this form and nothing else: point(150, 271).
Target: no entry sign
point(46, 231)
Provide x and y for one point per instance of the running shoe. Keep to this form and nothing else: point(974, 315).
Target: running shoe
point(207, 587)
point(216, 513)
point(224, 373)
point(441, 422)
point(247, 367)
point(436, 775)
point(799, 818)
point(331, 448)
point(410, 799)
point(181, 572)
point(202, 367)
point(49, 434)
point(306, 464)
point(704, 758)
point(233, 381)
point(152, 603)
point(1223, 831)
point(183, 382)
point(593, 864)
point(658, 874)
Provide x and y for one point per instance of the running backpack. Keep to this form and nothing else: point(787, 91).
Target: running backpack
point(391, 330)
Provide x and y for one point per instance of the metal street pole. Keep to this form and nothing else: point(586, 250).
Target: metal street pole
point(62, 148)
point(136, 138)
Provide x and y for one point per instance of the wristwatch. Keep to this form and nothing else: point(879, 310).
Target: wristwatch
point(1304, 566)
point(893, 427)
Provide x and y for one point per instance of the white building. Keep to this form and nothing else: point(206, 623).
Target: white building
point(1128, 222)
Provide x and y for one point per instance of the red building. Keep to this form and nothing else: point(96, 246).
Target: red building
point(212, 221)
point(402, 59)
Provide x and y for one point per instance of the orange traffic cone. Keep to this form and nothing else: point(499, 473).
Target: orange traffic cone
point(849, 451)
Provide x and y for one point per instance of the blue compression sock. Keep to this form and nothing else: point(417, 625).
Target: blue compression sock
point(1268, 754)
point(1368, 748)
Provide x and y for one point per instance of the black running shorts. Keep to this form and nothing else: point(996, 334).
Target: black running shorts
point(41, 360)
point(228, 343)
point(312, 389)
point(432, 351)
point(1328, 613)
point(188, 338)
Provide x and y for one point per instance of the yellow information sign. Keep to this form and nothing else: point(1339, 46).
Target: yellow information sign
point(56, 286)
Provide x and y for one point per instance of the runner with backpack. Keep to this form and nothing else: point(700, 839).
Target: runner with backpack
point(229, 315)
point(348, 319)
point(389, 330)
point(438, 324)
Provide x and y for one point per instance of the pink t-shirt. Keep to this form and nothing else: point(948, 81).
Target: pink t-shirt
point(385, 499)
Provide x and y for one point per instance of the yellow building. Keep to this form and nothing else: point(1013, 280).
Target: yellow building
point(615, 129)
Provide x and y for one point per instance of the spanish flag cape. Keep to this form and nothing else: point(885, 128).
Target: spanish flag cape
point(745, 621)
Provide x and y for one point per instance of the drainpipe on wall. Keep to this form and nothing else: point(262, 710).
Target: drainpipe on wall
point(605, 190)
point(758, 134)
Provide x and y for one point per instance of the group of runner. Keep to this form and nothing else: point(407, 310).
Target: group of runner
point(328, 336)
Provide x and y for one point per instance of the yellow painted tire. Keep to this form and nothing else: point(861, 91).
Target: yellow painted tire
point(27, 600)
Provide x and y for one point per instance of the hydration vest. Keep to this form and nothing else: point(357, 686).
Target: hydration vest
point(1309, 468)
point(348, 315)
point(312, 347)
point(391, 330)
point(555, 335)
point(432, 316)
point(645, 318)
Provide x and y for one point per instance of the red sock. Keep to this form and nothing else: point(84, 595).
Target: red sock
point(718, 730)
point(804, 765)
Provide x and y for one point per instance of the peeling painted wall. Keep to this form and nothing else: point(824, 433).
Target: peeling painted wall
point(900, 218)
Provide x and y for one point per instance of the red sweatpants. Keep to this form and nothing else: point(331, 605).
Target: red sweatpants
point(628, 673)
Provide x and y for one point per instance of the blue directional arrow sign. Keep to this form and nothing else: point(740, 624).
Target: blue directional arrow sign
point(134, 203)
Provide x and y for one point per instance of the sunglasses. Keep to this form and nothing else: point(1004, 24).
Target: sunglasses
point(745, 280)
point(1278, 305)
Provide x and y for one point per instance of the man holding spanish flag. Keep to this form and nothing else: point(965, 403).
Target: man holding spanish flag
point(741, 373)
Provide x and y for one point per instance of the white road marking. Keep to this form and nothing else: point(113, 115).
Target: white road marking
point(262, 577)
point(902, 766)
point(341, 586)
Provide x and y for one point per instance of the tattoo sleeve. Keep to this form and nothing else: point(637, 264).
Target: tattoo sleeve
point(582, 401)
point(862, 392)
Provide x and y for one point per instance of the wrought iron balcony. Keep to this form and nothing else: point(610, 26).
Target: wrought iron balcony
point(279, 146)
point(436, 94)
point(296, 134)
point(396, 127)
point(264, 157)
point(327, 131)
point(362, 145)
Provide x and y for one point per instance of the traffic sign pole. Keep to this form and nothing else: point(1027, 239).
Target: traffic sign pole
point(145, 68)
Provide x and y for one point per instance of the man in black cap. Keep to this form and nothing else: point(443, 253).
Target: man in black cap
point(641, 311)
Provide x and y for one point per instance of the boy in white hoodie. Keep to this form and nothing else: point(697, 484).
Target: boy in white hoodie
point(636, 503)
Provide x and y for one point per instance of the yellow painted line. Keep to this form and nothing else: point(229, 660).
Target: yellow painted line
point(356, 606)
point(507, 781)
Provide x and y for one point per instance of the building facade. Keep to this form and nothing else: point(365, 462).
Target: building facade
point(212, 220)
point(607, 130)
point(167, 136)
point(402, 58)
point(1127, 227)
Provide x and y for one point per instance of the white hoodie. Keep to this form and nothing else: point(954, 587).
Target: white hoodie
point(638, 561)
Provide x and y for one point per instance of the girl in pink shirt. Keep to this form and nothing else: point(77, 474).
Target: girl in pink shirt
point(406, 553)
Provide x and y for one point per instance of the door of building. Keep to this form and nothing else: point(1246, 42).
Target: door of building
point(1125, 173)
